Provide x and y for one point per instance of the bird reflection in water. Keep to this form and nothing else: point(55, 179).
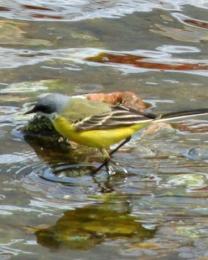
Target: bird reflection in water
point(84, 228)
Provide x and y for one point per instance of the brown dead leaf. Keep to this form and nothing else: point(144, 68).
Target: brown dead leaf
point(144, 62)
point(126, 98)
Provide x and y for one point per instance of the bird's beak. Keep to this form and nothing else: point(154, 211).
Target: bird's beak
point(33, 110)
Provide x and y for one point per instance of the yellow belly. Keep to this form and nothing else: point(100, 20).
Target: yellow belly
point(95, 138)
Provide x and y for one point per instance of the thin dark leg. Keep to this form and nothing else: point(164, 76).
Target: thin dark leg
point(120, 145)
point(111, 153)
point(106, 161)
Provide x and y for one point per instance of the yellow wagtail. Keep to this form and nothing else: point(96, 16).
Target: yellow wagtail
point(98, 124)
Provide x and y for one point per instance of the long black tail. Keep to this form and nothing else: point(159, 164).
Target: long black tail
point(182, 114)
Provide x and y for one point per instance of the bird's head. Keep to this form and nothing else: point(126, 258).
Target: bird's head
point(49, 104)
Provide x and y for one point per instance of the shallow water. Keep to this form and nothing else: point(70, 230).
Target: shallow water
point(156, 207)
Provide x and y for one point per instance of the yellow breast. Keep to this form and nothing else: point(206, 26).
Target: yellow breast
point(94, 138)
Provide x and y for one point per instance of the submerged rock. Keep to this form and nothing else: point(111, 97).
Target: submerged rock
point(192, 180)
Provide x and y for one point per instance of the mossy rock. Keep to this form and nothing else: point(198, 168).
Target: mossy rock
point(40, 129)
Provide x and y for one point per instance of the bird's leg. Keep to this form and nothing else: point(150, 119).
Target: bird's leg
point(107, 158)
point(120, 145)
point(108, 155)
point(106, 161)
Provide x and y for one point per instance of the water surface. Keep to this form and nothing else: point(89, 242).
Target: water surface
point(157, 208)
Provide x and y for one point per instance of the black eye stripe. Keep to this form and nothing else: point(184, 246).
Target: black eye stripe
point(45, 109)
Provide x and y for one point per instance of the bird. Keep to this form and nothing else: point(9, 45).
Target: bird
point(98, 124)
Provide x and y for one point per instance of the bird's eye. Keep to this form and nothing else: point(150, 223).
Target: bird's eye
point(44, 109)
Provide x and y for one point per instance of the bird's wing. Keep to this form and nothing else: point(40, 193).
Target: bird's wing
point(119, 116)
point(81, 108)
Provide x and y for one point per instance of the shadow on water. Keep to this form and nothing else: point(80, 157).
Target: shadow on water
point(71, 166)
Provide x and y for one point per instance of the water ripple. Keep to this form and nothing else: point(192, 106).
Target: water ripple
point(86, 9)
point(136, 61)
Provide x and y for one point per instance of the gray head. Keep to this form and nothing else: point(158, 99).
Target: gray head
point(50, 103)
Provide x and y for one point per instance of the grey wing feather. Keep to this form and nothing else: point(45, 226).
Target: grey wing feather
point(119, 116)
